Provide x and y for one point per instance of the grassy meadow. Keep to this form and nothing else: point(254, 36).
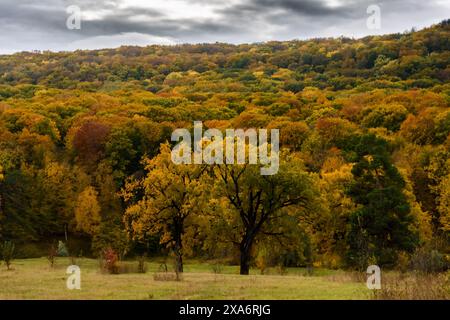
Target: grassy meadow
point(35, 279)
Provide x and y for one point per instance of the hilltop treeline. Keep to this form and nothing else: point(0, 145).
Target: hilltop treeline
point(365, 137)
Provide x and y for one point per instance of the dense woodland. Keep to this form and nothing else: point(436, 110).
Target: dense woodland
point(365, 136)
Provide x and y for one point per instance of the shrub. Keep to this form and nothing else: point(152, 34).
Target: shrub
point(403, 262)
point(52, 253)
point(124, 267)
point(281, 270)
point(164, 275)
point(261, 260)
point(30, 250)
point(428, 261)
point(217, 267)
point(110, 260)
point(142, 266)
point(8, 253)
point(62, 249)
point(72, 260)
point(163, 267)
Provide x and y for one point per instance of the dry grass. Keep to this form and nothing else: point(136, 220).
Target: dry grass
point(167, 276)
point(34, 279)
point(414, 286)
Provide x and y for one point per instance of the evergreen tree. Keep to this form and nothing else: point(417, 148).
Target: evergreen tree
point(380, 227)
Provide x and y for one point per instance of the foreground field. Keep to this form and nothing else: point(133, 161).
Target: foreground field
point(34, 279)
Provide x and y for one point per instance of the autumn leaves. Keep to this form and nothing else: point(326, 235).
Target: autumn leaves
point(188, 204)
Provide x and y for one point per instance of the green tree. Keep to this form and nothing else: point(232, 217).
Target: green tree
point(381, 225)
point(389, 116)
point(7, 251)
point(259, 204)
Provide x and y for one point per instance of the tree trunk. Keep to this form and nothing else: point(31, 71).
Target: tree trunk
point(245, 249)
point(178, 255)
point(179, 262)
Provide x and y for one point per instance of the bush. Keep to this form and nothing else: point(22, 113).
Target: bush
point(52, 253)
point(27, 250)
point(164, 275)
point(110, 261)
point(8, 253)
point(142, 266)
point(217, 267)
point(126, 267)
point(262, 259)
point(281, 270)
point(62, 249)
point(403, 262)
point(428, 261)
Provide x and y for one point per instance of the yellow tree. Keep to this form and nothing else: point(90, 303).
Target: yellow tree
point(171, 195)
point(444, 204)
point(87, 212)
point(329, 226)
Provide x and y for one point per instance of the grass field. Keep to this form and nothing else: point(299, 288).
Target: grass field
point(35, 279)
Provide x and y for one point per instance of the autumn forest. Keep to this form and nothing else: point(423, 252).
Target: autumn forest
point(364, 174)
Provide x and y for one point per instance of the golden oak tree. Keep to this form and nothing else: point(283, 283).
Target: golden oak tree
point(87, 212)
point(172, 197)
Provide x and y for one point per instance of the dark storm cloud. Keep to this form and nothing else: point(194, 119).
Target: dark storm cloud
point(28, 24)
point(51, 16)
point(26, 13)
point(287, 11)
point(156, 24)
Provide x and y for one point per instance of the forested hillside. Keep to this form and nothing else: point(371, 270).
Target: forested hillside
point(365, 138)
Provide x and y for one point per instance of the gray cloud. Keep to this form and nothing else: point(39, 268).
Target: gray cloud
point(306, 7)
point(28, 25)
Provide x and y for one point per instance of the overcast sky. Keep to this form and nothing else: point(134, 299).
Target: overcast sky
point(41, 24)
